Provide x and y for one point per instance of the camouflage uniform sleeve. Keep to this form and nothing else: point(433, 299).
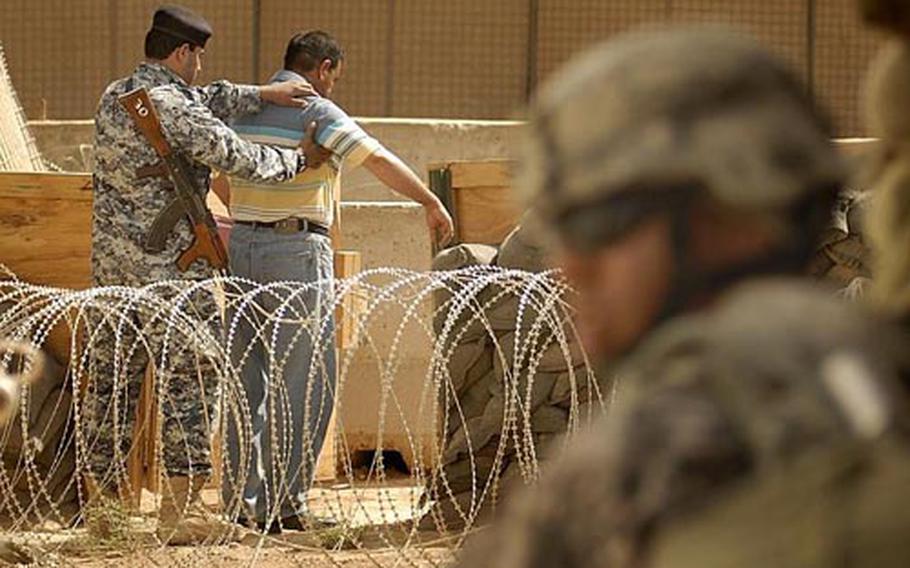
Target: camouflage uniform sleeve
point(227, 100)
point(192, 128)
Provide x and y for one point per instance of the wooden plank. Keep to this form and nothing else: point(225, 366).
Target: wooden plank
point(481, 174)
point(142, 467)
point(483, 203)
point(76, 186)
point(477, 173)
point(46, 227)
point(348, 264)
point(327, 462)
point(486, 215)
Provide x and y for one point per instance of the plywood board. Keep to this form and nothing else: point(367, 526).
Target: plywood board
point(59, 54)
point(143, 469)
point(45, 235)
point(486, 215)
point(327, 463)
point(45, 228)
point(347, 265)
point(460, 59)
point(483, 173)
point(485, 208)
point(361, 26)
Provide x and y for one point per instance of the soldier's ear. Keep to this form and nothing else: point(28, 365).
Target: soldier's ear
point(183, 50)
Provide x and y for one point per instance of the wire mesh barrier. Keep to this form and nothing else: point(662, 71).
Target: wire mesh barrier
point(108, 457)
point(17, 148)
point(410, 58)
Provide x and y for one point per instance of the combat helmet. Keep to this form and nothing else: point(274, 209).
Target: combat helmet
point(893, 15)
point(887, 170)
point(641, 122)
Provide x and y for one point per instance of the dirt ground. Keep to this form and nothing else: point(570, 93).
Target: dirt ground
point(375, 530)
point(272, 557)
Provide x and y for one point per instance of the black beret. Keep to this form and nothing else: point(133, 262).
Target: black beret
point(181, 23)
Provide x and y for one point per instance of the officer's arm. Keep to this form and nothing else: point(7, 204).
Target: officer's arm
point(228, 101)
point(193, 129)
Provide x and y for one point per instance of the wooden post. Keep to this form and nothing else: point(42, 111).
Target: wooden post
point(142, 463)
point(347, 264)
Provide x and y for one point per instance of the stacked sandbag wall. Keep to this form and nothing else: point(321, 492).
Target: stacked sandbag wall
point(517, 382)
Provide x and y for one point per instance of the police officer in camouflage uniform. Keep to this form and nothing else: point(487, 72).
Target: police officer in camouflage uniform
point(129, 192)
point(759, 421)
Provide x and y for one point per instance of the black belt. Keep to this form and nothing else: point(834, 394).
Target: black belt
point(290, 225)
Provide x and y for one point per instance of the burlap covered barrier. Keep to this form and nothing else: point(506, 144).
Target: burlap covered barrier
point(501, 406)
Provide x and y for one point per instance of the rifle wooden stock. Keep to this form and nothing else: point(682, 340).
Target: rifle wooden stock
point(207, 246)
point(142, 111)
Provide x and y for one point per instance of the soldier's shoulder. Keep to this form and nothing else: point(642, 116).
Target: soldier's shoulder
point(116, 88)
point(786, 343)
point(108, 105)
point(782, 315)
point(171, 96)
point(167, 92)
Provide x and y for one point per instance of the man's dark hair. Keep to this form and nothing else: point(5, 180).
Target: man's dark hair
point(159, 45)
point(307, 50)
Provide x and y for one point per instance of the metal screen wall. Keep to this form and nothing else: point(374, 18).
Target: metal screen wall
point(362, 27)
point(843, 50)
point(415, 58)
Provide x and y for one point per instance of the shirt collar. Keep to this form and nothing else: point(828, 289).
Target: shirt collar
point(288, 75)
point(159, 73)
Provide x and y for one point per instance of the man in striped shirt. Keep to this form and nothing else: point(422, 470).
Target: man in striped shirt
point(281, 234)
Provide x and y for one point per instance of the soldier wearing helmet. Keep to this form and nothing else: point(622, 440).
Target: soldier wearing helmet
point(888, 173)
point(687, 177)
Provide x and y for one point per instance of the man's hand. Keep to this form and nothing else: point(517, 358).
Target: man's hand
point(314, 153)
point(439, 222)
point(390, 170)
point(288, 93)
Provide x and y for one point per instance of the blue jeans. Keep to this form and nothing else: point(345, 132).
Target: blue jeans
point(275, 435)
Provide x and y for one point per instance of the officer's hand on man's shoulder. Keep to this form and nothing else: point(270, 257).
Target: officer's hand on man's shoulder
point(315, 154)
point(287, 93)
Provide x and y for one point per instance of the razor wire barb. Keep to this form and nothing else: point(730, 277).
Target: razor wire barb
point(463, 378)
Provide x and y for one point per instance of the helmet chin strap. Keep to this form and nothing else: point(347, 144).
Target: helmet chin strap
point(690, 282)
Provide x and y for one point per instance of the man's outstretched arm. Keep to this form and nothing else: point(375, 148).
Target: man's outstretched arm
point(391, 171)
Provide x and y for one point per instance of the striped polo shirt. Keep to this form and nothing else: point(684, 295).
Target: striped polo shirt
point(315, 193)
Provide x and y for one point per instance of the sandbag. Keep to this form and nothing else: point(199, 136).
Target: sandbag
point(525, 247)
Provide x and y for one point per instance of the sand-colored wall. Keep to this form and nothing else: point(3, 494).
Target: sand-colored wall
point(389, 233)
point(417, 142)
point(386, 400)
point(415, 58)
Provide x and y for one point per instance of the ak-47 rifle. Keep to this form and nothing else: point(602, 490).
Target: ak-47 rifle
point(206, 243)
